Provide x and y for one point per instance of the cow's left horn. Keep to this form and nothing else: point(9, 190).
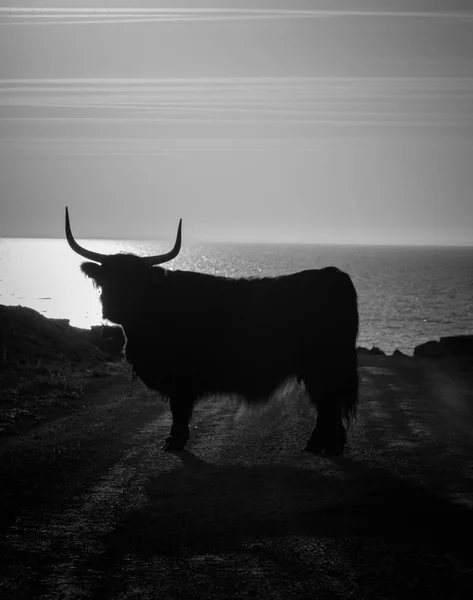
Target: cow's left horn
point(162, 258)
point(95, 256)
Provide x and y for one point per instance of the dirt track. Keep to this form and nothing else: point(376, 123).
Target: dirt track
point(92, 508)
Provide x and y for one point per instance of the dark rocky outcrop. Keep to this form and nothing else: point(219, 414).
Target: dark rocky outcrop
point(27, 337)
point(430, 349)
point(373, 351)
point(458, 346)
point(376, 351)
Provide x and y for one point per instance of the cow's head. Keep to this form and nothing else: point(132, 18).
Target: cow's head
point(126, 281)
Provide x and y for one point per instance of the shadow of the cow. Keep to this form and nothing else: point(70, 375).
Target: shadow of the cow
point(197, 505)
point(377, 520)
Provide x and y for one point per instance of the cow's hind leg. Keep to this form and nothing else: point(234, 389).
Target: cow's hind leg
point(329, 434)
point(181, 409)
point(334, 391)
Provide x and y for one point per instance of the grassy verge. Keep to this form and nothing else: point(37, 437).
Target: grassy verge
point(47, 365)
point(29, 394)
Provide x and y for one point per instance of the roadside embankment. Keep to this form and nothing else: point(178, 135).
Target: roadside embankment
point(46, 365)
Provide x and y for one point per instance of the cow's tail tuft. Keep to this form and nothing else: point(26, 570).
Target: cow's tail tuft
point(348, 387)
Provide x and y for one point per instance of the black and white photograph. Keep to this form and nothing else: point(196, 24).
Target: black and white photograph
point(236, 299)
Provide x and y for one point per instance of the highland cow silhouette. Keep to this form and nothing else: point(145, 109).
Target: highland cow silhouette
point(190, 335)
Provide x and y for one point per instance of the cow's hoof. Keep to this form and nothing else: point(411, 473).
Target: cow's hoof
point(333, 450)
point(173, 443)
point(314, 448)
point(324, 451)
point(325, 447)
point(316, 442)
point(335, 447)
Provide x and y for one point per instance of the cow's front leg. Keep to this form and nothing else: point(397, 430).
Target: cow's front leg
point(181, 409)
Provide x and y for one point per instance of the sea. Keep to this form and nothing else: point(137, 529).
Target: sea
point(407, 295)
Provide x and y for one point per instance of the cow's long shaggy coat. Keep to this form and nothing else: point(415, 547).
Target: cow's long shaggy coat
point(191, 334)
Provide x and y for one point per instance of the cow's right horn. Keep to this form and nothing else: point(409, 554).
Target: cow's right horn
point(95, 256)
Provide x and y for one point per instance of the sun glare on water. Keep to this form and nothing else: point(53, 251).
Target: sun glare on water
point(27, 281)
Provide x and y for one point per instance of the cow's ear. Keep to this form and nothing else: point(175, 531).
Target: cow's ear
point(94, 271)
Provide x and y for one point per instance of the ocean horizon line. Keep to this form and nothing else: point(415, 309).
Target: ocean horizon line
point(242, 242)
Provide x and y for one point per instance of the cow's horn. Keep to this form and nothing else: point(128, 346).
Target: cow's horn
point(162, 258)
point(95, 256)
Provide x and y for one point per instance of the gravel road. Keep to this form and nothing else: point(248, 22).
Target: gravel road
point(92, 508)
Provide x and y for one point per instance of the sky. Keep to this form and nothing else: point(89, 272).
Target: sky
point(344, 121)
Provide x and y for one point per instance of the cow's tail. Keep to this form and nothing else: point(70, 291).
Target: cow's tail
point(348, 384)
point(347, 388)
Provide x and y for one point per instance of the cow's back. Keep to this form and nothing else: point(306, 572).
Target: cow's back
point(241, 333)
